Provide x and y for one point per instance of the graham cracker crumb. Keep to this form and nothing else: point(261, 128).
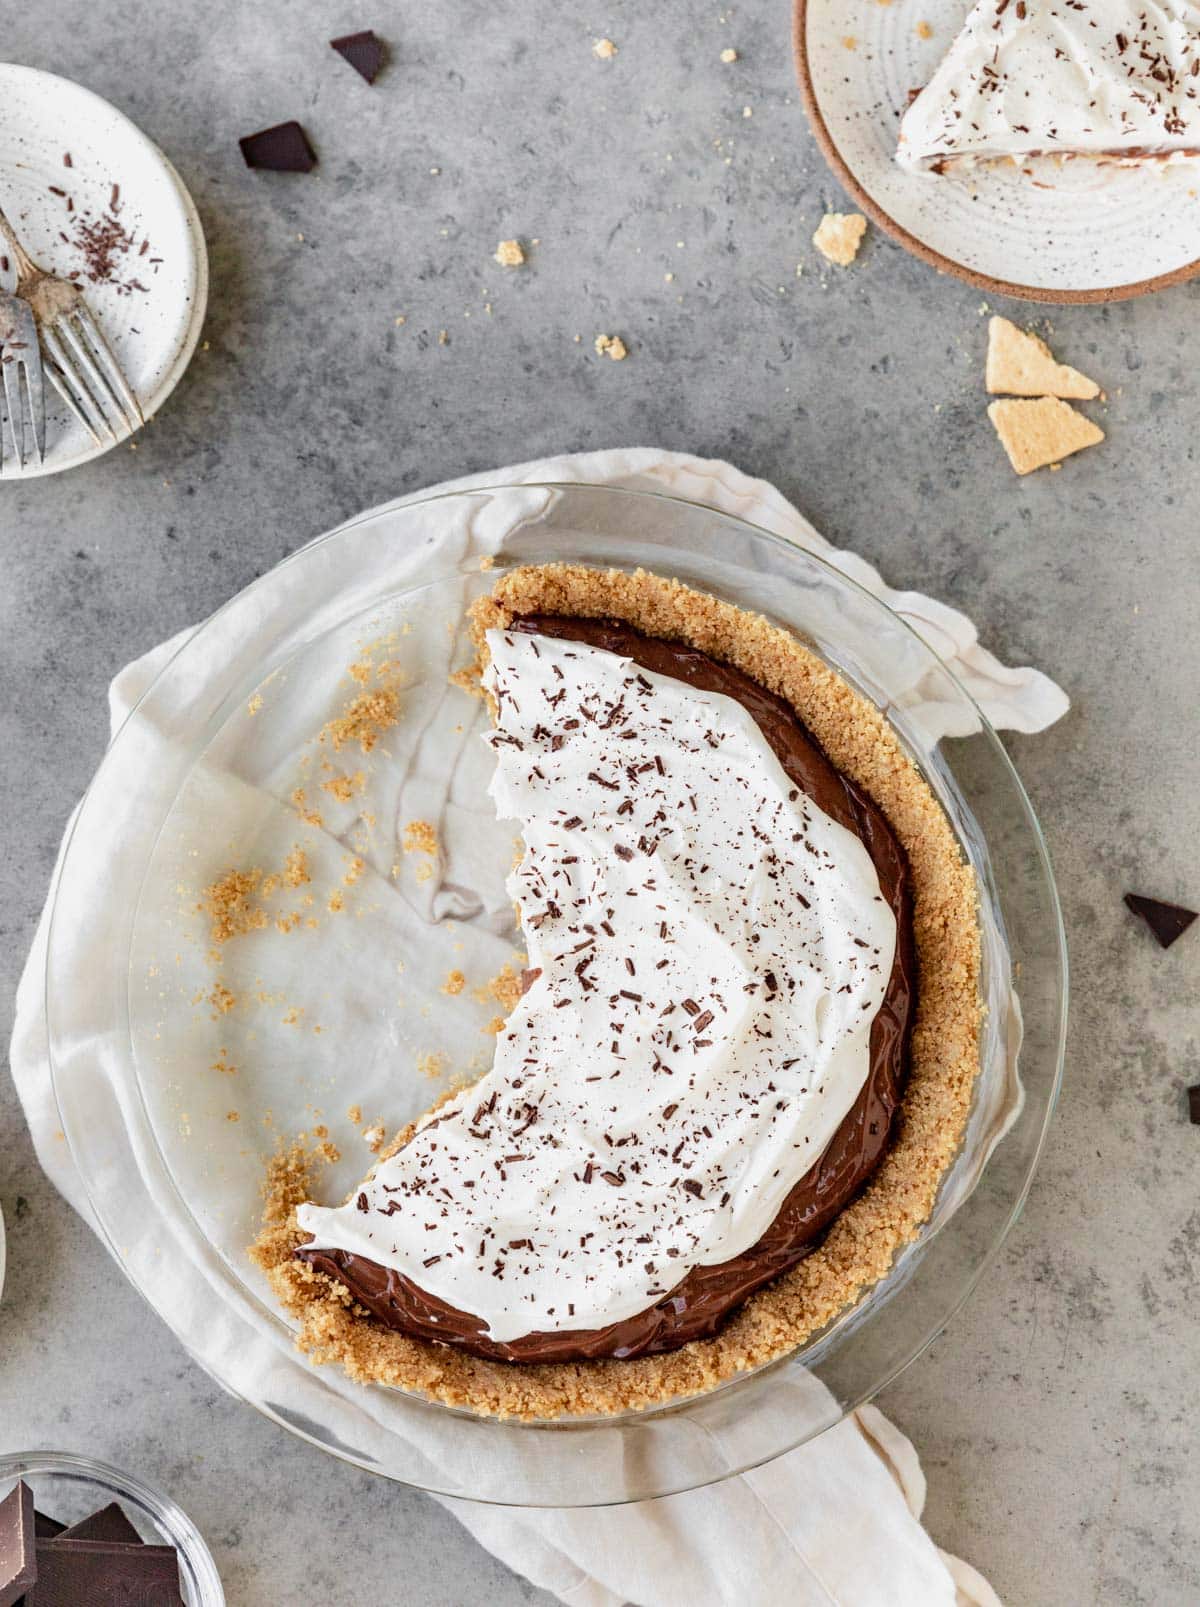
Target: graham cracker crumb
point(605, 49)
point(611, 346)
point(505, 987)
point(229, 907)
point(839, 235)
point(310, 817)
point(343, 787)
point(728, 55)
point(364, 719)
point(254, 705)
point(1041, 432)
point(495, 1026)
point(357, 866)
point(337, 902)
point(849, 42)
point(232, 1116)
point(420, 837)
point(432, 1064)
point(862, 1243)
point(924, 31)
point(221, 1000)
point(1020, 364)
point(467, 680)
point(374, 1137)
point(454, 983)
point(295, 868)
point(223, 1064)
point(509, 254)
point(354, 1114)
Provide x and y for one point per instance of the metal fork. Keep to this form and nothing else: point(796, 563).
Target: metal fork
point(79, 362)
point(19, 357)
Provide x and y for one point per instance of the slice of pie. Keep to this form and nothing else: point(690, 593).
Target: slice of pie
point(1107, 79)
point(745, 1047)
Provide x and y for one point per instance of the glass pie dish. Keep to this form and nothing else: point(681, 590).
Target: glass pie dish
point(175, 1081)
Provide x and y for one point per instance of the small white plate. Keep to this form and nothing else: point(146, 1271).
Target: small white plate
point(44, 120)
point(1100, 233)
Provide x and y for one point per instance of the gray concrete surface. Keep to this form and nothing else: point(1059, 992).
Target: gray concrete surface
point(1056, 1416)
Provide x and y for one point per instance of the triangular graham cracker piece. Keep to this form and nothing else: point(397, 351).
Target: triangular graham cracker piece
point(1036, 433)
point(1019, 364)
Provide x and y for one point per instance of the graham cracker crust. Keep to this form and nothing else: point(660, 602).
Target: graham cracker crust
point(862, 1243)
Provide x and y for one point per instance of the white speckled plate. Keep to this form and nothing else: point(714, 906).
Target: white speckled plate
point(1099, 234)
point(44, 120)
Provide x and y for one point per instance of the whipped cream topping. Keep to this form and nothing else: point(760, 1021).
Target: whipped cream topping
point(1060, 78)
point(707, 950)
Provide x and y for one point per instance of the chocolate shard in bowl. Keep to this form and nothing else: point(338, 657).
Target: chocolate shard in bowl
point(364, 51)
point(283, 148)
point(18, 1545)
point(110, 1523)
point(45, 1528)
point(1166, 921)
point(105, 1573)
point(1193, 1094)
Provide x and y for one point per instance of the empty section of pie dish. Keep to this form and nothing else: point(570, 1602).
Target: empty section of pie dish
point(176, 1081)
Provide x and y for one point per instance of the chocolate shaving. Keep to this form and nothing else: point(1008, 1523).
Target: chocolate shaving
point(1167, 921)
point(283, 148)
point(364, 51)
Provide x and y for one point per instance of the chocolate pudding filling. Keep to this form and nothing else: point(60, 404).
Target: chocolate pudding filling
point(697, 1306)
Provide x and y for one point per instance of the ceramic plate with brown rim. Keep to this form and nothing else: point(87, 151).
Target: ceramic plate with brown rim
point(1075, 232)
point(95, 201)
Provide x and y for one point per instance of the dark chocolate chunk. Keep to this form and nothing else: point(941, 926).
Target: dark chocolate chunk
point(18, 1554)
point(364, 51)
point(281, 149)
point(45, 1528)
point(104, 1573)
point(1194, 1104)
point(110, 1523)
point(1166, 921)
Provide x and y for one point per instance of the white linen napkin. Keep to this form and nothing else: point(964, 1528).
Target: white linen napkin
point(836, 1521)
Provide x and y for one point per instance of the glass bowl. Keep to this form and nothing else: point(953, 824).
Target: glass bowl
point(69, 1487)
point(205, 774)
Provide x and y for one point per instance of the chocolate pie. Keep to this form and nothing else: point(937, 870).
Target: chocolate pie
point(744, 1050)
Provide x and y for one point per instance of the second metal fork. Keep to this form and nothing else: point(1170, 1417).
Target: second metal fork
point(79, 362)
point(19, 360)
